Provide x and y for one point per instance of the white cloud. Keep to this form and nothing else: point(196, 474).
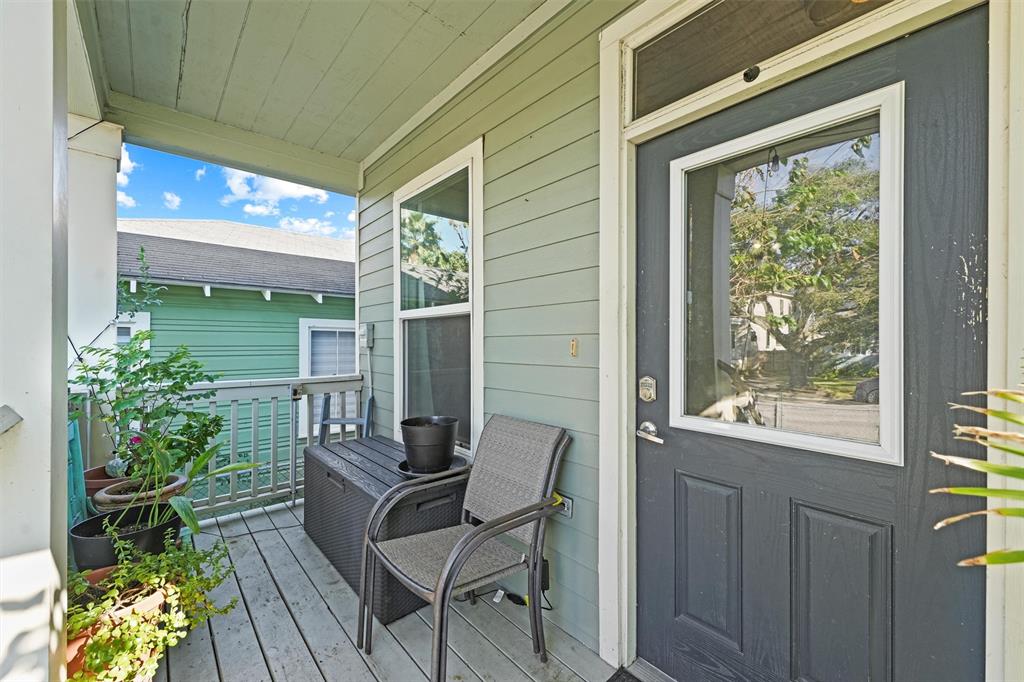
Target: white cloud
point(263, 193)
point(351, 217)
point(347, 233)
point(124, 200)
point(127, 166)
point(259, 209)
point(172, 200)
point(313, 226)
point(329, 214)
point(200, 172)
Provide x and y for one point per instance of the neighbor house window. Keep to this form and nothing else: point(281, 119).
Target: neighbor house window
point(435, 270)
point(786, 324)
point(327, 348)
point(127, 325)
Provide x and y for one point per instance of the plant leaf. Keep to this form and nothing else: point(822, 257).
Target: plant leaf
point(1001, 511)
point(237, 466)
point(183, 506)
point(1002, 556)
point(982, 465)
point(1003, 393)
point(1006, 416)
point(1004, 493)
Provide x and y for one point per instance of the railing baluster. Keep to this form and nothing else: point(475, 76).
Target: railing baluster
point(293, 444)
point(255, 479)
point(212, 480)
point(233, 476)
point(343, 405)
point(273, 444)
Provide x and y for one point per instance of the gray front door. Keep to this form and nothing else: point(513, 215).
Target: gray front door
point(758, 561)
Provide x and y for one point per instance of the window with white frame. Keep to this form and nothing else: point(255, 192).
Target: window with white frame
point(436, 270)
point(786, 272)
point(327, 348)
point(128, 325)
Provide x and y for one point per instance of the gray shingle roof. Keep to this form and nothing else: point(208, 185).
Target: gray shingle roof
point(188, 262)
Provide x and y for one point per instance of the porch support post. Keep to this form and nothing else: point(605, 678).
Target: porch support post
point(33, 328)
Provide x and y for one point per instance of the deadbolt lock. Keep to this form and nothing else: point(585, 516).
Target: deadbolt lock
point(648, 389)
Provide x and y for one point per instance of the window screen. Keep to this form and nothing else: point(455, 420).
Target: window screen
point(437, 370)
point(726, 38)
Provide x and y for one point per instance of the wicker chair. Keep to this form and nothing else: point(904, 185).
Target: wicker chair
point(509, 489)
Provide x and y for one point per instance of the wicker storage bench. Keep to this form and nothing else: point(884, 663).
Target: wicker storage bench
point(342, 483)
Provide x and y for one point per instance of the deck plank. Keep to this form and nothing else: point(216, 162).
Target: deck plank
point(560, 644)
point(297, 508)
point(284, 648)
point(232, 525)
point(194, 658)
point(335, 653)
point(477, 651)
point(257, 520)
point(414, 636)
point(281, 516)
point(389, 662)
point(513, 642)
point(234, 638)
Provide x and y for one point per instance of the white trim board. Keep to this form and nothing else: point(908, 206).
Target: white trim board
point(887, 104)
point(471, 157)
point(618, 139)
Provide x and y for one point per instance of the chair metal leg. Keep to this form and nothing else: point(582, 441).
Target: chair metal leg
point(536, 610)
point(472, 597)
point(439, 653)
point(362, 597)
point(372, 566)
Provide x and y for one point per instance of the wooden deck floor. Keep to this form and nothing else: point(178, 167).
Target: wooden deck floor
point(296, 621)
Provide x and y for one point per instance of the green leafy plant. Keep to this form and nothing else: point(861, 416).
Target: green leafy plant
point(146, 294)
point(1010, 442)
point(124, 638)
point(144, 403)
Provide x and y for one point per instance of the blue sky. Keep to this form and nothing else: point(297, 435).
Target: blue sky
point(154, 184)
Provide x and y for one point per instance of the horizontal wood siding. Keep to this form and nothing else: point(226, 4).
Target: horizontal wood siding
point(538, 113)
point(238, 333)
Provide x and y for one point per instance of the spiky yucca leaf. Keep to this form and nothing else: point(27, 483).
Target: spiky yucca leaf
point(1001, 556)
point(1004, 441)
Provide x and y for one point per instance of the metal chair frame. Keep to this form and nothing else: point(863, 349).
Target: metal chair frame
point(440, 597)
point(364, 424)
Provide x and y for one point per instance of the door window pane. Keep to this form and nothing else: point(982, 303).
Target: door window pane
point(332, 352)
point(435, 244)
point(782, 285)
point(437, 370)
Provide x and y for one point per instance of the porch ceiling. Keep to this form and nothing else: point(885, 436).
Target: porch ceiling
point(325, 81)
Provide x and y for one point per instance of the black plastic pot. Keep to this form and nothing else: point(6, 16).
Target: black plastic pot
point(93, 548)
point(429, 443)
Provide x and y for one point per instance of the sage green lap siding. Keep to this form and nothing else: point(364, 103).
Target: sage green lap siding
point(238, 333)
point(537, 111)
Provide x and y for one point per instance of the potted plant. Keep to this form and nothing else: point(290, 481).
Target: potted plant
point(144, 405)
point(1010, 442)
point(121, 618)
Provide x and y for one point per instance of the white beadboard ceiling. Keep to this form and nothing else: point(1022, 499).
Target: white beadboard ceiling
point(337, 77)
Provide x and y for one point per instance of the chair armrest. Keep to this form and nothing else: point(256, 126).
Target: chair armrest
point(394, 495)
point(469, 543)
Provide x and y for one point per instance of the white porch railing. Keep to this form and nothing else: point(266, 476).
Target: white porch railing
point(268, 421)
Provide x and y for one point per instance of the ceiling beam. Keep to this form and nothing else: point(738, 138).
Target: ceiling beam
point(160, 127)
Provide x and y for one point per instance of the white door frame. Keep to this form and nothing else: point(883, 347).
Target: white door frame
point(619, 137)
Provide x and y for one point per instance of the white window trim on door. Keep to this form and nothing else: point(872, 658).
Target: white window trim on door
point(887, 103)
point(306, 326)
point(471, 157)
point(619, 136)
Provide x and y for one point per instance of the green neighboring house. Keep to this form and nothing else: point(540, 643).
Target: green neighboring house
point(250, 302)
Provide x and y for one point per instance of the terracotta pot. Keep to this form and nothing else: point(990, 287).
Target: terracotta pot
point(96, 479)
point(121, 495)
point(75, 656)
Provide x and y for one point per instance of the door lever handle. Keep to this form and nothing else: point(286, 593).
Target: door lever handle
point(648, 431)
